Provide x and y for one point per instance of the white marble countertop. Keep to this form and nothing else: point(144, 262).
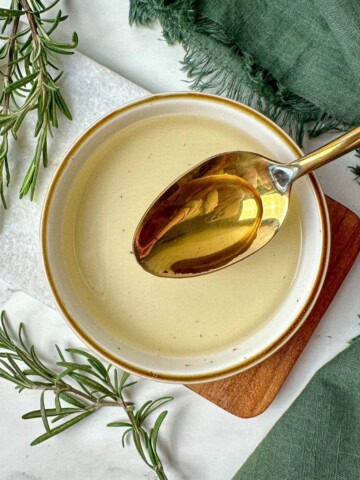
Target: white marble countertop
point(199, 440)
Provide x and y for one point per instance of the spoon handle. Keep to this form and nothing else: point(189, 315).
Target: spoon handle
point(329, 152)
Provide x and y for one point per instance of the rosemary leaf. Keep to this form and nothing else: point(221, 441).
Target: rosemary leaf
point(157, 425)
point(154, 406)
point(71, 400)
point(10, 13)
point(123, 438)
point(43, 412)
point(89, 382)
point(94, 362)
point(61, 428)
point(50, 412)
point(23, 81)
point(119, 424)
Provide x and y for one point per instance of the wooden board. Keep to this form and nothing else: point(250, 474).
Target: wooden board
point(250, 393)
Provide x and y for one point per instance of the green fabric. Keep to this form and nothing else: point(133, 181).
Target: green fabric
point(310, 46)
point(296, 61)
point(318, 438)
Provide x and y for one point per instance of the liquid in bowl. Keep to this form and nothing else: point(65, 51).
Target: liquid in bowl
point(175, 318)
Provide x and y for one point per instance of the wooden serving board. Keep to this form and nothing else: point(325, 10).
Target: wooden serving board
point(250, 393)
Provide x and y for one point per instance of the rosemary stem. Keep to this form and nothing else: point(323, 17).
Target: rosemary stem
point(109, 404)
point(79, 393)
point(161, 474)
point(158, 467)
point(101, 403)
point(29, 14)
point(7, 79)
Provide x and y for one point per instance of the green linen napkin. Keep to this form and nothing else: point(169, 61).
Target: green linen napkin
point(295, 61)
point(318, 438)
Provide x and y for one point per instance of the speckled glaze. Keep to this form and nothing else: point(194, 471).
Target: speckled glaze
point(291, 312)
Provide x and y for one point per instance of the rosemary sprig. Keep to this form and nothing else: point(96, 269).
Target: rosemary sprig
point(30, 82)
point(80, 389)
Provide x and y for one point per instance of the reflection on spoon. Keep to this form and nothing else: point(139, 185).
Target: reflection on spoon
point(198, 226)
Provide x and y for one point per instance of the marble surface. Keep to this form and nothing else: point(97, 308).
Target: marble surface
point(91, 91)
point(199, 440)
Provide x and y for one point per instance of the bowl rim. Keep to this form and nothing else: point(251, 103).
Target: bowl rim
point(236, 367)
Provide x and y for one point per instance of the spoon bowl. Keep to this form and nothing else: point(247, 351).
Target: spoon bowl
point(217, 214)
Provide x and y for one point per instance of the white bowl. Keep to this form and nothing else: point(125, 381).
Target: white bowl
point(291, 312)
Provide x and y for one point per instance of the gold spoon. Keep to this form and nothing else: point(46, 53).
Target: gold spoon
point(223, 210)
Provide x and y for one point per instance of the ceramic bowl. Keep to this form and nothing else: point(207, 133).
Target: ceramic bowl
point(291, 312)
